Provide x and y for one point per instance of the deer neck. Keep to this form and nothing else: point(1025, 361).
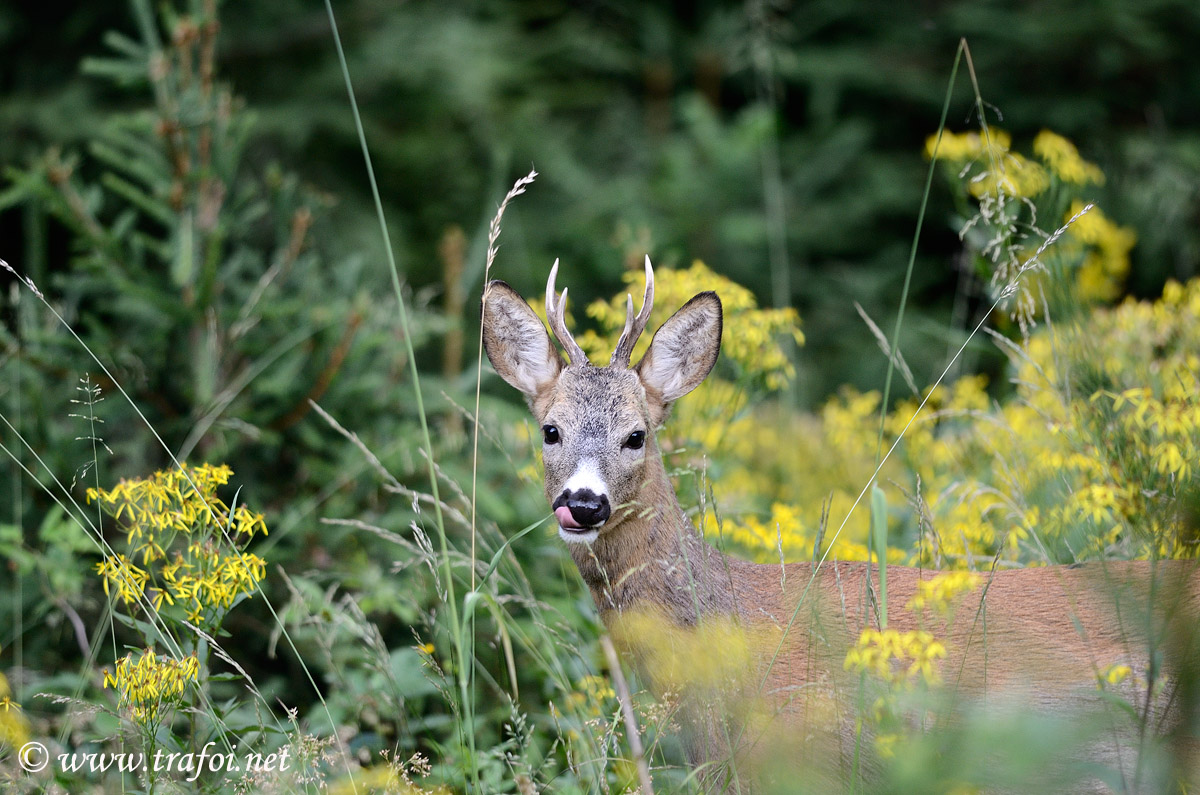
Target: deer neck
point(654, 560)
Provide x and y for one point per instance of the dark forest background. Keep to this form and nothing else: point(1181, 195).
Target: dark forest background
point(661, 123)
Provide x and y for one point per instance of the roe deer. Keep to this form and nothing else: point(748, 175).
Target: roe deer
point(1032, 638)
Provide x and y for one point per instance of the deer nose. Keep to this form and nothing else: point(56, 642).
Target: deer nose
point(587, 508)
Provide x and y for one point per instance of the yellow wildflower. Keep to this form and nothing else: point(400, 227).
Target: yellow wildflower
point(129, 580)
point(713, 655)
point(14, 728)
point(1169, 460)
point(885, 744)
point(594, 696)
point(1012, 175)
point(992, 143)
point(898, 658)
point(162, 510)
point(1106, 252)
point(752, 336)
point(1112, 675)
point(150, 683)
point(940, 592)
point(1062, 158)
point(181, 500)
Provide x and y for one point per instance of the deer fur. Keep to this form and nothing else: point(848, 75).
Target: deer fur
point(1036, 637)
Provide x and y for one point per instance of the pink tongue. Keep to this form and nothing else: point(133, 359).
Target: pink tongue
point(565, 519)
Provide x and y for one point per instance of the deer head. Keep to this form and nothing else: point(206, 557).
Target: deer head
point(598, 423)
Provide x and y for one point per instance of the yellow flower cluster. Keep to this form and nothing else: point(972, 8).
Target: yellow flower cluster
point(901, 659)
point(751, 336)
point(940, 593)
point(825, 462)
point(1104, 249)
point(176, 523)
point(207, 577)
point(1172, 422)
point(1094, 248)
point(991, 143)
point(886, 744)
point(1015, 175)
point(1060, 471)
point(1112, 675)
point(1062, 158)
point(714, 656)
point(128, 578)
point(995, 168)
point(594, 698)
point(1055, 460)
point(173, 501)
point(785, 534)
point(901, 662)
point(773, 471)
point(14, 728)
point(150, 683)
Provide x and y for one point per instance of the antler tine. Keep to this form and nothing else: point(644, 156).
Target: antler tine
point(555, 312)
point(634, 326)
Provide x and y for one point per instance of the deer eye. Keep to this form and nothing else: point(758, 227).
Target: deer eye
point(550, 434)
point(636, 440)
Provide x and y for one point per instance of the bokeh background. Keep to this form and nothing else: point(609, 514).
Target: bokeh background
point(668, 127)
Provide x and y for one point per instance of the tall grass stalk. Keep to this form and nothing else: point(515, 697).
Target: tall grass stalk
point(18, 594)
point(963, 51)
point(493, 236)
point(769, 158)
point(635, 738)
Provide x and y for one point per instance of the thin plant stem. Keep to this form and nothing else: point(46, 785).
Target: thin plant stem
point(631, 726)
point(463, 673)
point(493, 235)
point(963, 50)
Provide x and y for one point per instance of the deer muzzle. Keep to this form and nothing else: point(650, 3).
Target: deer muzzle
point(581, 509)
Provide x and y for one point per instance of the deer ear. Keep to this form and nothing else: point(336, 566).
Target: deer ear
point(683, 351)
point(516, 342)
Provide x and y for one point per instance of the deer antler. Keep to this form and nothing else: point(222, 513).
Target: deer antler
point(634, 326)
point(555, 312)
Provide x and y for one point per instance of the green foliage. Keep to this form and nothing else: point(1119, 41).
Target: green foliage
point(652, 129)
point(198, 277)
